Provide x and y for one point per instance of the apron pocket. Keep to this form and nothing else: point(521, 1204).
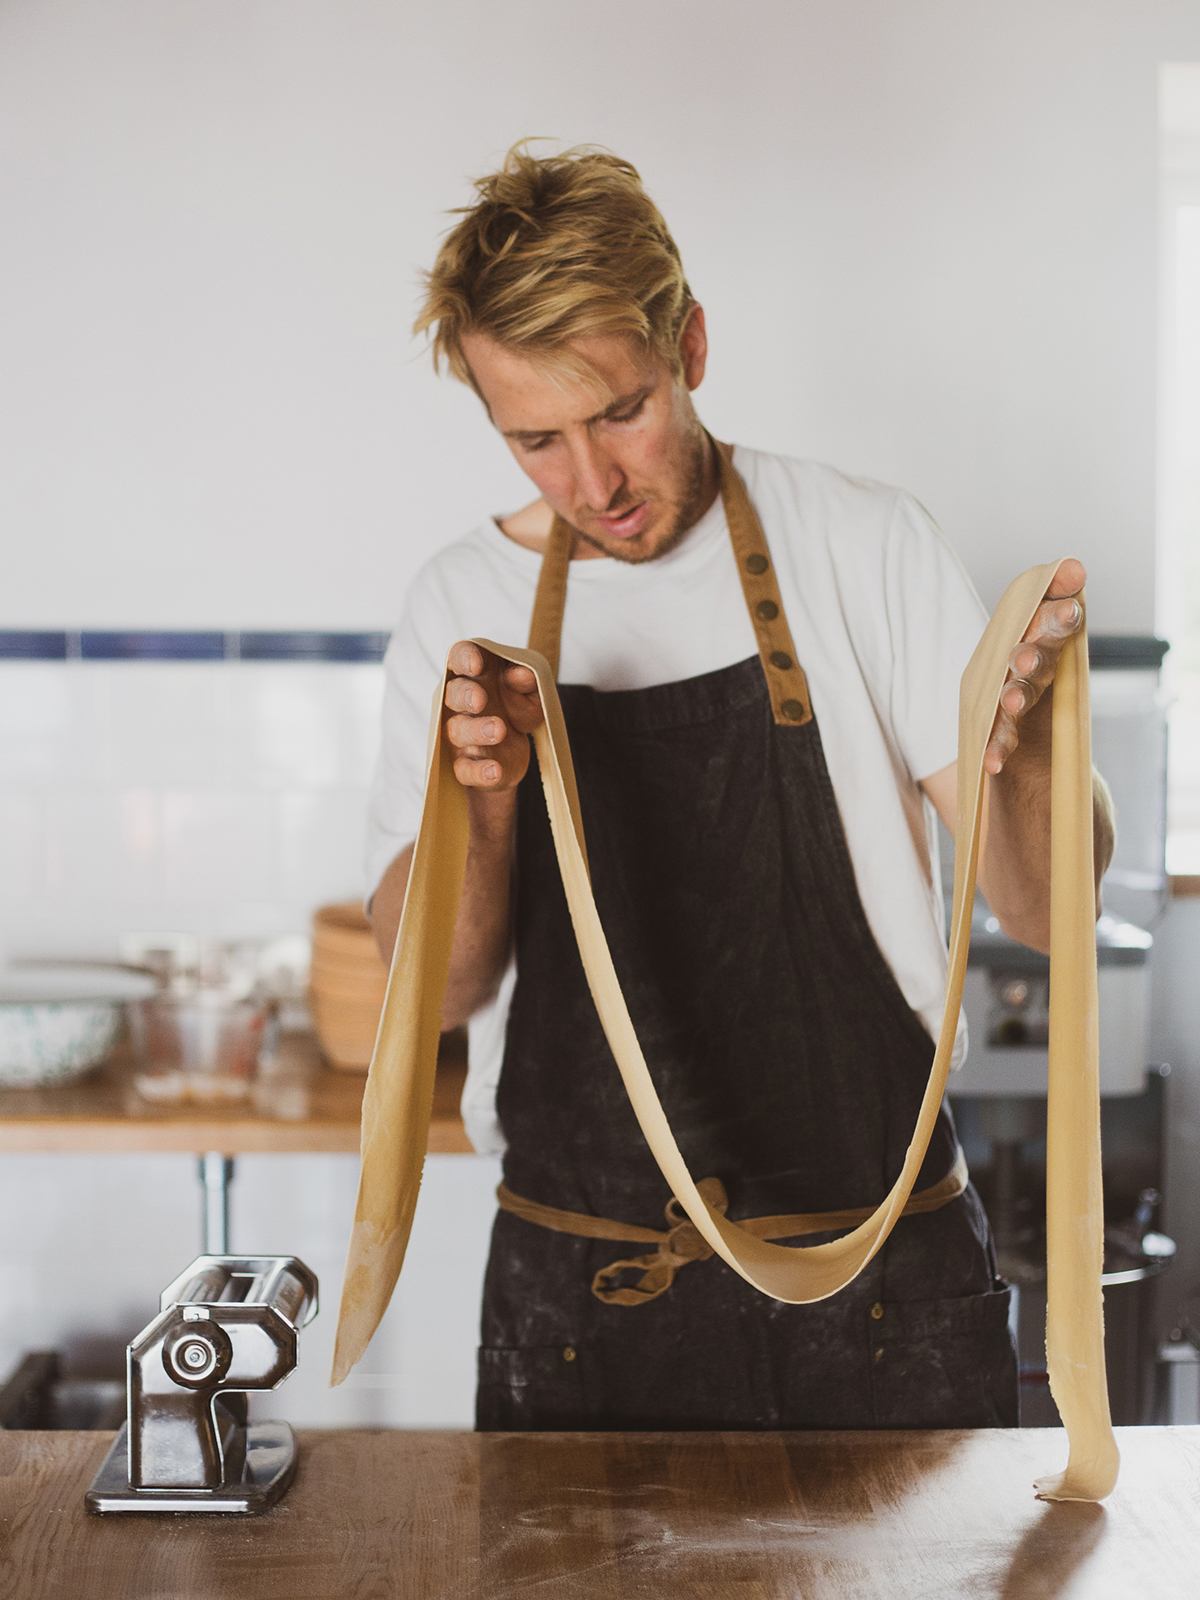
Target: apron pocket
point(943, 1363)
point(537, 1388)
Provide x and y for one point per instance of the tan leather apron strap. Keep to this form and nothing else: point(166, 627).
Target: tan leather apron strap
point(921, 1200)
point(786, 683)
point(577, 1223)
point(545, 625)
point(682, 1242)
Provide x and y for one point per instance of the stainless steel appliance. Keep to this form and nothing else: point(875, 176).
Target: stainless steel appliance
point(227, 1324)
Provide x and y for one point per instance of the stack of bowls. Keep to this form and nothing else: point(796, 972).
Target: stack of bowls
point(346, 985)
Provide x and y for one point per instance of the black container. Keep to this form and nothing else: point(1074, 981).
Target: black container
point(37, 1395)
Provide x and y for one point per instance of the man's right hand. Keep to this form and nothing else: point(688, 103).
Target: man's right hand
point(494, 706)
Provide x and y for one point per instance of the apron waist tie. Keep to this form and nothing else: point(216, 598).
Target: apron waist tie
point(683, 1242)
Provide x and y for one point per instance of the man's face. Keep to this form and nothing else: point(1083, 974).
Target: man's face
point(632, 473)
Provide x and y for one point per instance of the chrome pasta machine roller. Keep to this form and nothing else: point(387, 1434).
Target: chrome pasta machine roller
point(227, 1324)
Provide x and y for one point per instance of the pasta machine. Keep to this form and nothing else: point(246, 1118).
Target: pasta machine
point(227, 1325)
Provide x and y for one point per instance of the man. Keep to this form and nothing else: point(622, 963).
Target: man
point(759, 734)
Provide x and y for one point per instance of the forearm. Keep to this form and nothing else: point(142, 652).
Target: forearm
point(481, 932)
point(1014, 865)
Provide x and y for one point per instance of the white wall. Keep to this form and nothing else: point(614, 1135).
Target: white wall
point(225, 798)
point(925, 234)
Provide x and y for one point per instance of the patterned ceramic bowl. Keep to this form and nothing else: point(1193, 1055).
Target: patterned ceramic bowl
point(59, 1020)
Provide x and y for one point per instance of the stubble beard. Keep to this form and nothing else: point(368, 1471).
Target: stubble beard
point(688, 511)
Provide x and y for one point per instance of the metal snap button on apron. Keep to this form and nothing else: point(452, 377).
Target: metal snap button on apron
point(877, 1311)
point(793, 710)
point(569, 1353)
point(781, 659)
point(766, 610)
point(756, 564)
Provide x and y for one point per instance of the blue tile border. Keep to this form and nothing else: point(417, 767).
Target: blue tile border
point(96, 646)
point(22, 645)
point(93, 644)
point(310, 646)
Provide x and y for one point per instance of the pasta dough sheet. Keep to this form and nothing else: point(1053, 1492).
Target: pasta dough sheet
point(399, 1094)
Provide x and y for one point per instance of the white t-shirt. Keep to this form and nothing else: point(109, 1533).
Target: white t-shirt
point(883, 617)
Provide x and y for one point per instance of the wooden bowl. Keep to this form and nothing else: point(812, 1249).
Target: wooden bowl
point(347, 983)
point(342, 927)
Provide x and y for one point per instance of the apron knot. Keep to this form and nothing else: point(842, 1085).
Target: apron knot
point(682, 1243)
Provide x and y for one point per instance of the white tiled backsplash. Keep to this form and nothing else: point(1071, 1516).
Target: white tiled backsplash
point(222, 798)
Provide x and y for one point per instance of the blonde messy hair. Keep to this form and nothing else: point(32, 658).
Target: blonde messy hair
point(555, 249)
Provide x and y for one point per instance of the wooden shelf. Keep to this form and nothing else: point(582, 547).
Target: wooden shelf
point(302, 1105)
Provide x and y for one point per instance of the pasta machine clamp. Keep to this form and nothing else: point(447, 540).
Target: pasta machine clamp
point(227, 1324)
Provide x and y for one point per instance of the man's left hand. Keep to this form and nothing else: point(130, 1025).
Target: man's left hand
point(1033, 663)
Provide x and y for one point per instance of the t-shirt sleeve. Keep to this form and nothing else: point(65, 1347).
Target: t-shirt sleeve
point(935, 619)
point(413, 668)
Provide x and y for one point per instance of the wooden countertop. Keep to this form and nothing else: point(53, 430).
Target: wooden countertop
point(460, 1516)
point(301, 1105)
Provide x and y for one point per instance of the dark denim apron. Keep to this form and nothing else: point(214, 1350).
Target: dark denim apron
point(789, 1064)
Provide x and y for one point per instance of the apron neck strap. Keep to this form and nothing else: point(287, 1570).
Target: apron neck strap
point(786, 683)
point(545, 626)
